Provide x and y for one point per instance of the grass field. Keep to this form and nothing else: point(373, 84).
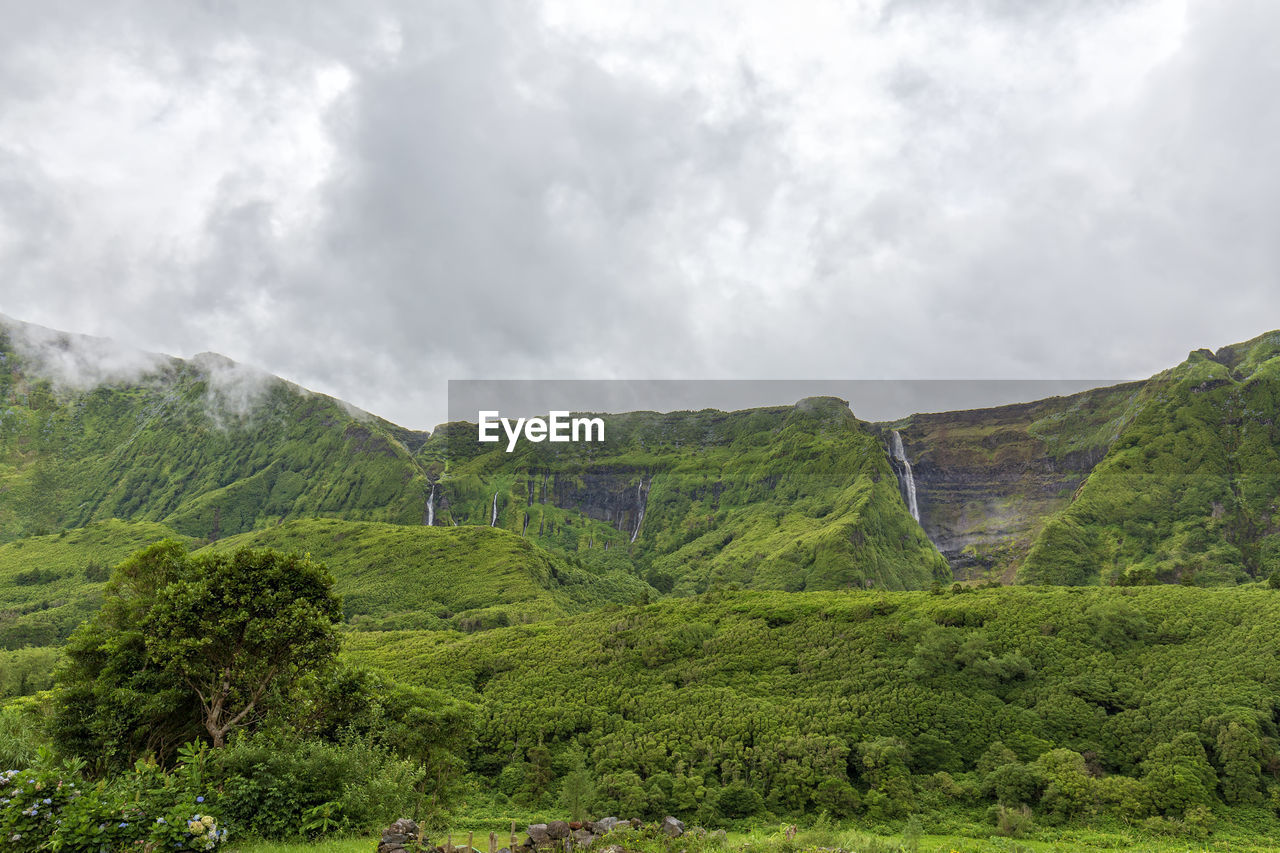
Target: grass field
point(771, 841)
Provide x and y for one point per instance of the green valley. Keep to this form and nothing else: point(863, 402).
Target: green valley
point(733, 617)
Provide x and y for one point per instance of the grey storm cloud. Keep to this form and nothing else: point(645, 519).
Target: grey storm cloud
point(372, 198)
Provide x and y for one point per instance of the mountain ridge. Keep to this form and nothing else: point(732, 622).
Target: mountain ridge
point(796, 497)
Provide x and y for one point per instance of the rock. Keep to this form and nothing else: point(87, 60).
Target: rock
point(575, 825)
point(636, 823)
point(696, 832)
point(604, 824)
point(582, 838)
point(538, 834)
point(671, 827)
point(558, 829)
point(400, 837)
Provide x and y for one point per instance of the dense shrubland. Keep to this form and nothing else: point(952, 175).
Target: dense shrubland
point(236, 649)
point(731, 665)
point(1008, 708)
point(1137, 704)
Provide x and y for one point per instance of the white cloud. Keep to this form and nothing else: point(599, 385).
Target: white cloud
point(370, 200)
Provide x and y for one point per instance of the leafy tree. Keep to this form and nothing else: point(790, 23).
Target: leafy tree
point(1239, 749)
point(112, 704)
point(836, 796)
point(576, 789)
point(1013, 784)
point(185, 646)
point(237, 628)
point(884, 762)
point(737, 800)
point(1069, 791)
point(1179, 775)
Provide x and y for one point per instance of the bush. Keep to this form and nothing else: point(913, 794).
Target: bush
point(837, 797)
point(736, 800)
point(280, 787)
point(1013, 822)
point(51, 808)
point(20, 735)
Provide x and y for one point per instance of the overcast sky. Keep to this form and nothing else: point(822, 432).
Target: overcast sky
point(371, 198)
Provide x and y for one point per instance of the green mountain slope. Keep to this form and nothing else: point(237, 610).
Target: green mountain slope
point(396, 576)
point(1190, 490)
point(205, 446)
point(50, 584)
point(1172, 479)
point(791, 498)
point(389, 575)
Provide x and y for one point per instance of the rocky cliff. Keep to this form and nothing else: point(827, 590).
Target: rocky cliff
point(988, 479)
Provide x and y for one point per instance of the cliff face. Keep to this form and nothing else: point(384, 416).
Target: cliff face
point(988, 479)
point(789, 497)
point(1174, 479)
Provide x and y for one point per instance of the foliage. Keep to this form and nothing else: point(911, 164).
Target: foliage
point(205, 446)
point(50, 584)
point(389, 574)
point(1187, 491)
point(188, 645)
point(789, 498)
point(238, 628)
point(46, 807)
point(1128, 703)
point(277, 786)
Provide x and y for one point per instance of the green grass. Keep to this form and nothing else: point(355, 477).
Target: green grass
point(390, 576)
point(1189, 490)
point(333, 845)
point(204, 446)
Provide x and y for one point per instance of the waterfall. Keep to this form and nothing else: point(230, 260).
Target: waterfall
point(642, 496)
point(493, 519)
point(908, 479)
point(431, 507)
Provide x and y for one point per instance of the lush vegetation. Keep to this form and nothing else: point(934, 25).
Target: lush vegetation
point(988, 479)
point(393, 576)
point(791, 498)
point(1155, 705)
point(234, 650)
point(1189, 490)
point(389, 576)
point(730, 617)
point(50, 584)
point(206, 447)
